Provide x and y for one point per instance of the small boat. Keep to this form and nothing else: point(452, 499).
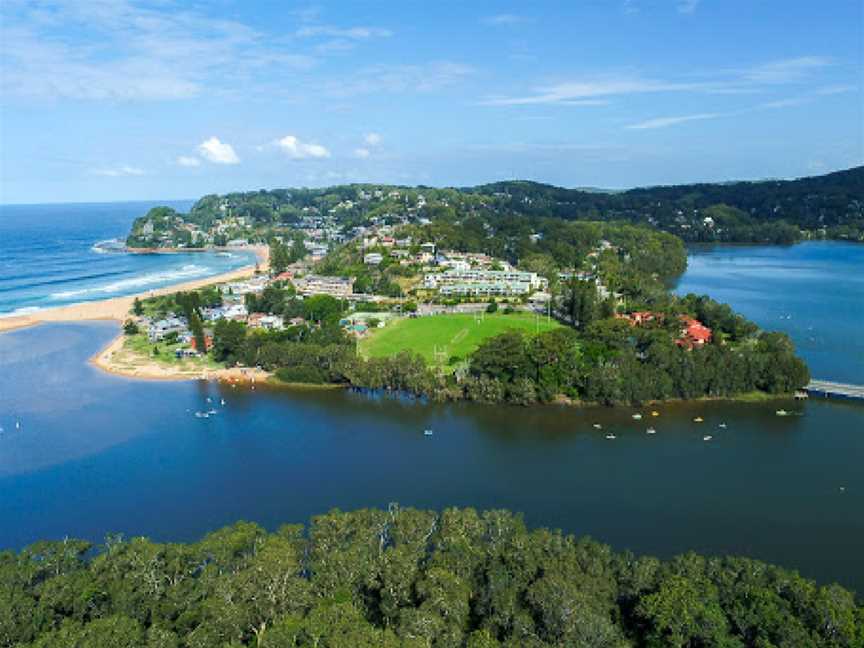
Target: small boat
point(597, 426)
point(222, 402)
point(428, 433)
point(610, 436)
point(202, 415)
point(781, 412)
point(650, 430)
point(722, 426)
point(17, 425)
point(211, 412)
point(655, 413)
point(707, 437)
point(698, 419)
point(637, 416)
point(209, 400)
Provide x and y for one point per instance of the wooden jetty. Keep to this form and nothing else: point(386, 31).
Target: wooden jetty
point(827, 388)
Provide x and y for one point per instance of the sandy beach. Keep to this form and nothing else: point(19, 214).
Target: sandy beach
point(117, 308)
point(118, 360)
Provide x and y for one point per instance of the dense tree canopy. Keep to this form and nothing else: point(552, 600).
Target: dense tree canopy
point(406, 578)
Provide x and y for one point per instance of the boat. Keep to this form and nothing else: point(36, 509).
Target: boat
point(722, 425)
point(597, 426)
point(201, 415)
point(637, 416)
point(650, 430)
point(781, 412)
point(698, 419)
point(222, 402)
point(655, 413)
point(428, 433)
point(610, 436)
point(211, 412)
point(17, 425)
point(707, 437)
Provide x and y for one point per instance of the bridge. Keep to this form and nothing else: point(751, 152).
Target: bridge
point(827, 388)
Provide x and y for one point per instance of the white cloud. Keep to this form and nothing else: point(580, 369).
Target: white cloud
point(362, 153)
point(401, 78)
point(372, 139)
point(297, 150)
point(354, 33)
point(663, 122)
point(588, 92)
point(187, 161)
point(687, 6)
point(218, 152)
point(593, 90)
point(119, 171)
point(786, 70)
point(124, 51)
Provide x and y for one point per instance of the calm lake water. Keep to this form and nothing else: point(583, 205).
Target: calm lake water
point(96, 453)
point(49, 256)
point(813, 291)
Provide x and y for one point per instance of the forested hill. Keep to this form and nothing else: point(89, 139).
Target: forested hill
point(409, 579)
point(830, 205)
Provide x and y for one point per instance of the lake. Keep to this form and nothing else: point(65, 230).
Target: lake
point(96, 454)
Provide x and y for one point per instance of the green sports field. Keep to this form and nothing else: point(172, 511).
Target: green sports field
point(448, 335)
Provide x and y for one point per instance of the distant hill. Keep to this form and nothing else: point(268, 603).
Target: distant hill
point(758, 211)
point(770, 211)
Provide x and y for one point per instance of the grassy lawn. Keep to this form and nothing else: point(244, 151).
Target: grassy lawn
point(453, 335)
point(139, 346)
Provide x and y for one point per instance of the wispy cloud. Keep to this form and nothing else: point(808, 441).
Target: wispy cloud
point(401, 78)
point(123, 51)
point(785, 70)
point(687, 6)
point(372, 139)
point(291, 146)
point(590, 90)
point(505, 20)
point(119, 171)
point(362, 153)
point(665, 122)
point(217, 151)
point(355, 33)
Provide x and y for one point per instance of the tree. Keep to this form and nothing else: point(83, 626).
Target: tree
point(137, 307)
point(130, 327)
point(228, 339)
point(280, 257)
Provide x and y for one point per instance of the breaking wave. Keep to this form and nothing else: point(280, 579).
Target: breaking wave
point(144, 281)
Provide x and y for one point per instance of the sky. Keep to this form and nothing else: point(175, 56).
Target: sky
point(109, 100)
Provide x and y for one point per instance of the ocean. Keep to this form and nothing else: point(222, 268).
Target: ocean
point(50, 256)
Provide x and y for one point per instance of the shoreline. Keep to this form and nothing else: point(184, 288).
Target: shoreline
point(117, 308)
point(106, 359)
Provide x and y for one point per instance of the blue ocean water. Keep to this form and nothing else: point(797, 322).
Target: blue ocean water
point(48, 258)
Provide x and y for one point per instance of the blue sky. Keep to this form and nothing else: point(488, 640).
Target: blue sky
point(121, 100)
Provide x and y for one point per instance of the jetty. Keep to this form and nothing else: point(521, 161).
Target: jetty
point(827, 388)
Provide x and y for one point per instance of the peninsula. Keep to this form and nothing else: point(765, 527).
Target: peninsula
point(393, 289)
